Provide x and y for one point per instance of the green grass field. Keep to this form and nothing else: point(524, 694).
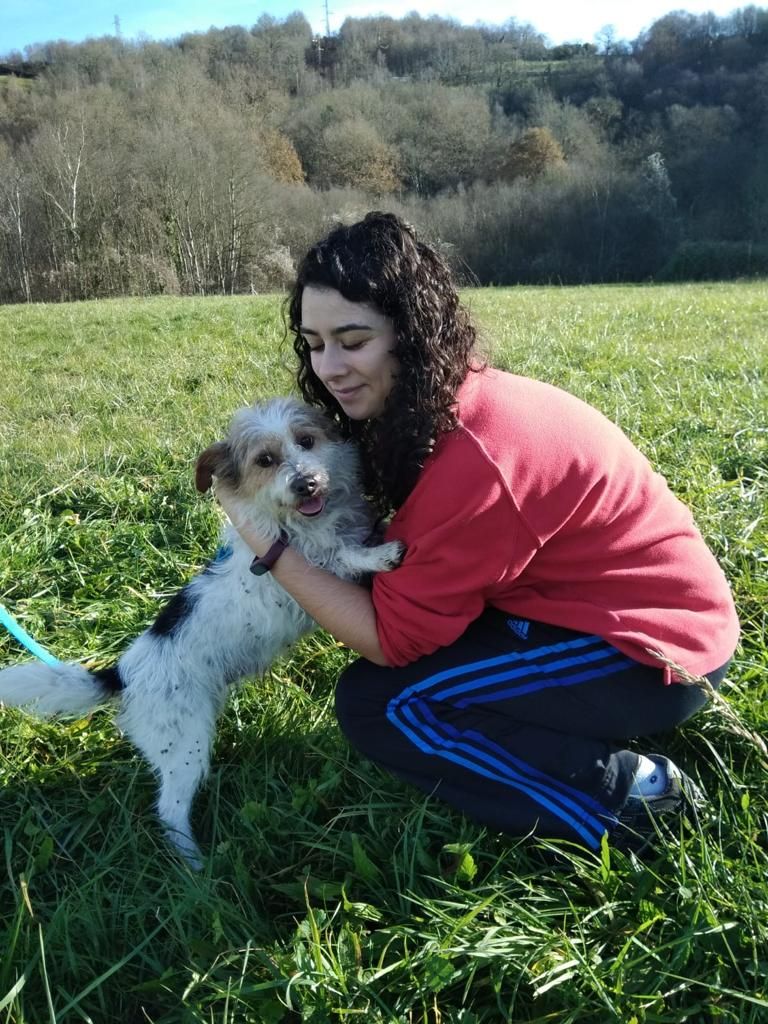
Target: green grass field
point(331, 891)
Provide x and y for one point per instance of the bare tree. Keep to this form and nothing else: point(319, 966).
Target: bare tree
point(13, 220)
point(58, 153)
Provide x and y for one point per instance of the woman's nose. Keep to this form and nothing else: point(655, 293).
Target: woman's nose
point(331, 362)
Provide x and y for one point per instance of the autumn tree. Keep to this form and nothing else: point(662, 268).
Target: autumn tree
point(534, 153)
point(279, 157)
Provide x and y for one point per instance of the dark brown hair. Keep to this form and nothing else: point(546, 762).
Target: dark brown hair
point(379, 261)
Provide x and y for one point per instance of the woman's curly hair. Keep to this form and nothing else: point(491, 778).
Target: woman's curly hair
point(379, 261)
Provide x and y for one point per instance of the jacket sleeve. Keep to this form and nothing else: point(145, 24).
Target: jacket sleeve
point(463, 535)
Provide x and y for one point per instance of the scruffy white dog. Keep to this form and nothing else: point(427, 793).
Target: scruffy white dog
point(293, 476)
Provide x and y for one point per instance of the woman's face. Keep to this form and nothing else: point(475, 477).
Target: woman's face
point(350, 345)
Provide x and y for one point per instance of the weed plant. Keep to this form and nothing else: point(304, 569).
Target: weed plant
point(332, 892)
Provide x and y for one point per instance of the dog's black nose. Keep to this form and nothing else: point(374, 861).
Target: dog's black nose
point(304, 486)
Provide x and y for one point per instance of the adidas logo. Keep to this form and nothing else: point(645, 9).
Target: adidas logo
point(519, 627)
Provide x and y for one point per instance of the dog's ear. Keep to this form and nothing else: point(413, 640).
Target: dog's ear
point(210, 463)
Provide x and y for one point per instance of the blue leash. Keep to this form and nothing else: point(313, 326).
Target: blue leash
point(7, 620)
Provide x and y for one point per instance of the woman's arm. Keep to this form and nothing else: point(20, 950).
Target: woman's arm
point(342, 608)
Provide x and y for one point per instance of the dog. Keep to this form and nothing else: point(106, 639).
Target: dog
point(293, 477)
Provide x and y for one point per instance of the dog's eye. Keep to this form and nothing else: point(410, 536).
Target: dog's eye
point(264, 460)
point(306, 442)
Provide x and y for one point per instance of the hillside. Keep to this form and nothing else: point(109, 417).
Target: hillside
point(205, 164)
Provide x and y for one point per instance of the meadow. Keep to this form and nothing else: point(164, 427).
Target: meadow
point(331, 892)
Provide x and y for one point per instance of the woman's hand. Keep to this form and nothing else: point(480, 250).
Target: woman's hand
point(342, 608)
point(238, 516)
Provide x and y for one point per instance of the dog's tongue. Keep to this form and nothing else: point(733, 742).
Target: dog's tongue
point(312, 506)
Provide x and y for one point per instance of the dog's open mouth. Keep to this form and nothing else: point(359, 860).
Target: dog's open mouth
point(312, 506)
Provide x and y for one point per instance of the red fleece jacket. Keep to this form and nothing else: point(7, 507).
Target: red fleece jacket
point(540, 506)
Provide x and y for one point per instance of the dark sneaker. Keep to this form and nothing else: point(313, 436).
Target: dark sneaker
point(644, 820)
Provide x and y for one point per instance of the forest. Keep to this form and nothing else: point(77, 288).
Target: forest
point(207, 163)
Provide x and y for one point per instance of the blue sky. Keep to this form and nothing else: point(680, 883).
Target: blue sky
point(23, 22)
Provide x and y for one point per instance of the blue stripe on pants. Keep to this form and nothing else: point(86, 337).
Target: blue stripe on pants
point(411, 714)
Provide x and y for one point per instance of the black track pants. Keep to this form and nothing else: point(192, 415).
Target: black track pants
point(517, 724)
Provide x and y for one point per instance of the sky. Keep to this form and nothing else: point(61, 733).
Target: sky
point(24, 22)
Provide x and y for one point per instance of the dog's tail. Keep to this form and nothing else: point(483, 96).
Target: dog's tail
point(52, 690)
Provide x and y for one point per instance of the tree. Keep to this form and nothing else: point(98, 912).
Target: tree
point(58, 154)
point(534, 153)
point(13, 224)
point(352, 154)
point(280, 157)
point(443, 135)
point(572, 127)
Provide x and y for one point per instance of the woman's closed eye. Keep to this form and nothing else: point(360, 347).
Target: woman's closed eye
point(348, 346)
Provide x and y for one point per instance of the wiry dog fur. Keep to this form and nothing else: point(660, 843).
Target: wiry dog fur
point(289, 471)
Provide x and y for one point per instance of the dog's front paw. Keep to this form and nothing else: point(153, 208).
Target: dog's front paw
point(356, 561)
point(389, 555)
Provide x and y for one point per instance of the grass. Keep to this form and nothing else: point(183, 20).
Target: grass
point(332, 892)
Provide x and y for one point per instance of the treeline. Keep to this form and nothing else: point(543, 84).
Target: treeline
point(208, 163)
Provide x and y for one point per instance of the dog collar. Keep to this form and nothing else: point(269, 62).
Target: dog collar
point(260, 566)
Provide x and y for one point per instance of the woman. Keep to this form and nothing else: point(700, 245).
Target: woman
point(506, 659)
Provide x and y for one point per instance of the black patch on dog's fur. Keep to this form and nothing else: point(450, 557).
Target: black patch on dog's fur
point(109, 678)
point(174, 613)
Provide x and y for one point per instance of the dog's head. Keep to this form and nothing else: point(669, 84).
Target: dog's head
point(280, 458)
